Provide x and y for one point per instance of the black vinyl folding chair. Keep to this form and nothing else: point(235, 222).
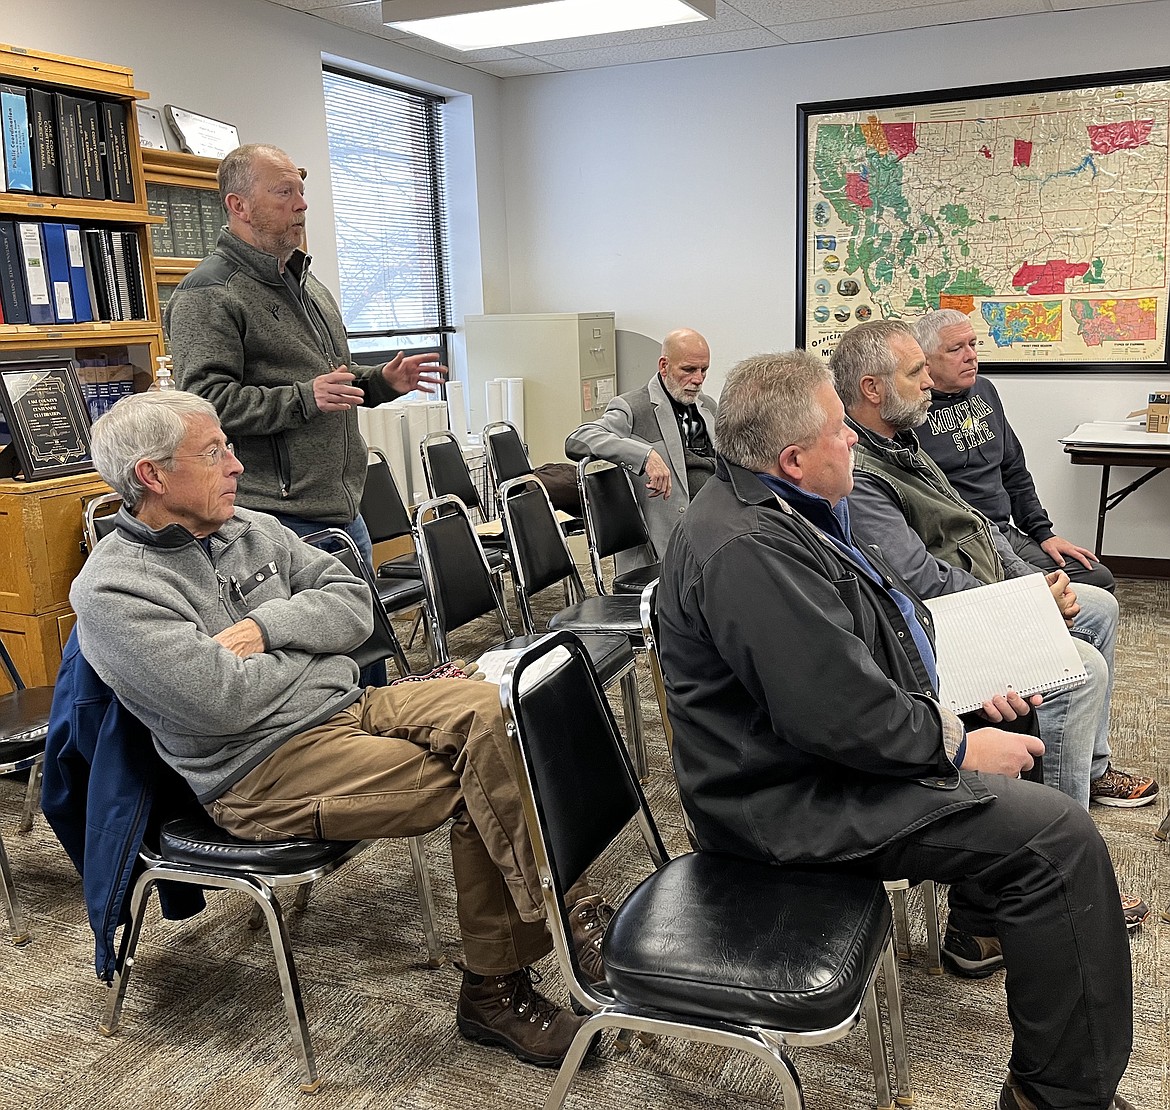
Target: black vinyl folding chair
point(541, 558)
point(191, 849)
point(461, 588)
point(709, 946)
point(613, 524)
point(24, 723)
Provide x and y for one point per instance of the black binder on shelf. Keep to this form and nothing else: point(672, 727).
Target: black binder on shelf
point(101, 273)
point(43, 129)
point(212, 216)
point(93, 178)
point(186, 225)
point(68, 143)
point(12, 293)
point(116, 147)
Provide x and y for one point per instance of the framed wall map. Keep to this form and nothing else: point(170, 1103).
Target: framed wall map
point(1041, 209)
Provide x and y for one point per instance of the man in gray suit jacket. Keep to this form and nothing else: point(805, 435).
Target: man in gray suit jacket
point(663, 432)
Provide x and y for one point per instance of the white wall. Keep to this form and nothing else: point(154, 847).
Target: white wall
point(258, 66)
point(665, 191)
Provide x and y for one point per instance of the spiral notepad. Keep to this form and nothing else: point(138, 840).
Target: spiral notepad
point(1006, 636)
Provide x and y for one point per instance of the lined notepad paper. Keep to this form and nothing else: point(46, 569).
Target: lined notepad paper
point(1006, 636)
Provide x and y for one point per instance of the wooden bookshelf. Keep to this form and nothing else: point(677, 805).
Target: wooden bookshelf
point(40, 522)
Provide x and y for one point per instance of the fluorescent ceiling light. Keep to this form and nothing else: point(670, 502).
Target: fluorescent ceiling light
point(482, 24)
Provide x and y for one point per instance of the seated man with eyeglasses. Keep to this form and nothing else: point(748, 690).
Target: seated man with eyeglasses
point(226, 634)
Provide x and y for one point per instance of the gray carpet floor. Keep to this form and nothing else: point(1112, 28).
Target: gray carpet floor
point(204, 1027)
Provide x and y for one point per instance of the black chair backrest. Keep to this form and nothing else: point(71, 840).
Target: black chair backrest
point(540, 556)
point(382, 643)
point(583, 784)
point(613, 517)
point(507, 455)
point(446, 468)
point(382, 507)
point(455, 569)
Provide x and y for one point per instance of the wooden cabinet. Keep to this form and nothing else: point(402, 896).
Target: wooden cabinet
point(40, 554)
point(40, 522)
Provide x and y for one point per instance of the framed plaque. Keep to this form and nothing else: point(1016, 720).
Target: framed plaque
point(202, 135)
point(47, 417)
point(151, 132)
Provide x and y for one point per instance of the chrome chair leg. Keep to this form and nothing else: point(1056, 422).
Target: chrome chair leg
point(116, 994)
point(904, 1095)
point(877, 1049)
point(32, 795)
point(632, 709)
point(1162, 832)
point(436, 955)
point(290, 987)
point(17, 929)
point(896, 889)
point(933, 944)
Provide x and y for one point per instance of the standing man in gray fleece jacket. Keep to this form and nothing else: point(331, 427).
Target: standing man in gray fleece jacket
point(263, 340)
point(224, 633)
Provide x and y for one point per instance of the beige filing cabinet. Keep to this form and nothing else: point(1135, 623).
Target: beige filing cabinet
point(566, 360)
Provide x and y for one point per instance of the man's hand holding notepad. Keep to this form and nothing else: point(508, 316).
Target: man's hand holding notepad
point(1006, 636)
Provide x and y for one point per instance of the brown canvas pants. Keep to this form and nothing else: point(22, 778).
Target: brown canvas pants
point(399, 762)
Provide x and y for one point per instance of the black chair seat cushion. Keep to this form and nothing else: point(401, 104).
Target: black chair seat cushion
point(397, 593)
point(636, 580)
point(610, 653)
point(13, 753)
point(24, 714)
point(202, 843)
point(404, 566)
point(602, 614)
point(721, 937)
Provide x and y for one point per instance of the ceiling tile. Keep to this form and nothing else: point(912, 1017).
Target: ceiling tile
point(1072, 5)
point(438, 50)
point(935, 15)
point(518, 67)
point(357, 17)
point(658, 51)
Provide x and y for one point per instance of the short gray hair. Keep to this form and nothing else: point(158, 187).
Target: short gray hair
point(237, 171)
point(928, 329)
point(143, 426)
point(767, 404)
point(864, 351)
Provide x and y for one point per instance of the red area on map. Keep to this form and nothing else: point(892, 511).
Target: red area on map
point(1105, 138)
point(1049, 278)
point(901, 138)
point(857, 190)
point(1022, 155)
point(985, 151)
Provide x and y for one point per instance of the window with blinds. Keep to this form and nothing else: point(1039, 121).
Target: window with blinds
point(389, 203)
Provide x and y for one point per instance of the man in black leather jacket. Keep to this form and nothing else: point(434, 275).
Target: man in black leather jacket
point(806, 730)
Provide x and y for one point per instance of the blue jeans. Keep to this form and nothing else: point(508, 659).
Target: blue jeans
point(375, 673)
point(1075, 724)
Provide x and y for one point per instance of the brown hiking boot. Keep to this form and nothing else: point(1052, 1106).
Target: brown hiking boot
point(1012, 1098)
point(507, 1010)
point(588, 920)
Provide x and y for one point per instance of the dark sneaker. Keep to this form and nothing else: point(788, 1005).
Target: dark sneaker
point(970, 956)
point(588, 920)
point(1162, 832)
point(1119, 788)
point(1134, 909)
point(507, 1010)
point(1166, 914)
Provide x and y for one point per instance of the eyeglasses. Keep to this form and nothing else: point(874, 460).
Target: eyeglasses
point(213, 457)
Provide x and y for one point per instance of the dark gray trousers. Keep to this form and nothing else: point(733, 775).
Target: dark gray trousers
point(1036, 865)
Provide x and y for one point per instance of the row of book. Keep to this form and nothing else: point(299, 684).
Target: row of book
point(61, 145)
point(62, 273)
point(193, 217)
